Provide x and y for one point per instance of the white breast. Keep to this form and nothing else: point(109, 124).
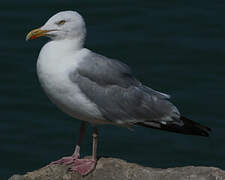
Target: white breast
point(53, 68)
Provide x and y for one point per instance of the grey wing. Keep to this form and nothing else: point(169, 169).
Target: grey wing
point(118, 95)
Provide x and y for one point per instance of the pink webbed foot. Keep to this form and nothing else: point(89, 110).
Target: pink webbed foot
point(66, 160)
point(83, 166)
point(69, 159)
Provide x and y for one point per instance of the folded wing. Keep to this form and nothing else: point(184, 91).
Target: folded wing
point(119, 96)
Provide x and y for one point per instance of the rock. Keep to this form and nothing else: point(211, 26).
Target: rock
point(117, 169)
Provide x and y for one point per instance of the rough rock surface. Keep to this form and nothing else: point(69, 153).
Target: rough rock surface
point(117, 169)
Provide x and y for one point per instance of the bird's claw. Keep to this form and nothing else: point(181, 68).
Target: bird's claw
point(83, 166)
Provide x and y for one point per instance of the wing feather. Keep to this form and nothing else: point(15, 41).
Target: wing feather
point(118, 95)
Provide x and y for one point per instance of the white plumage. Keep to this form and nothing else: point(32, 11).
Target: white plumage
point(53, 68)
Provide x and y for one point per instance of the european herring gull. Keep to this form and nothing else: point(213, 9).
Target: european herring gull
point(97, 89)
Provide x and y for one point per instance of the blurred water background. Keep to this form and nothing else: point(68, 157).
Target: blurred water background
point(174, 46)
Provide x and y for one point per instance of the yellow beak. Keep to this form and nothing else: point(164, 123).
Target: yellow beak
point(36, 33)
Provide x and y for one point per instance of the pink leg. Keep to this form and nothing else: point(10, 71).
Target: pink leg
point(76, 154)
point(85, 166)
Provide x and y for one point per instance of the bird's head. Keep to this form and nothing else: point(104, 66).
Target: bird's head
point(63, 25)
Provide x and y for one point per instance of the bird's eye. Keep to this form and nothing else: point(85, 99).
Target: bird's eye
point(61, 22)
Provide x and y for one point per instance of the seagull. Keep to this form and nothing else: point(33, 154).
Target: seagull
point(97, 89)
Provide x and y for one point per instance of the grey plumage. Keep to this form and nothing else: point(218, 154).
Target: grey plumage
point(119, 96)
point(122, 99)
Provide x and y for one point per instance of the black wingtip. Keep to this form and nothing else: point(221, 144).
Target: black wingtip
point(189, 127)
point(195, 128)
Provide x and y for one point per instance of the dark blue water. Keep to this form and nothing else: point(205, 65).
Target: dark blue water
point(176, 47)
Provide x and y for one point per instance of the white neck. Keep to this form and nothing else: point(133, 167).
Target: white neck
point(67, 44)
point(54, 50)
